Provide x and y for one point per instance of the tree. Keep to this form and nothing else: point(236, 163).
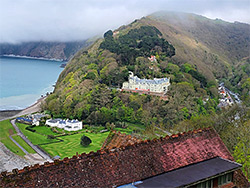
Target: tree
point(85, 141)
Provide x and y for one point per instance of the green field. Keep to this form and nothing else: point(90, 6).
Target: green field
point(71, 145)
point(7, 129)
point(35, 138)
point(68, 147)
point(23, 144)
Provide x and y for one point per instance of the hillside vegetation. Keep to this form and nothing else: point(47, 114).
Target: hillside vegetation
point(196, 53)
point(192, 50)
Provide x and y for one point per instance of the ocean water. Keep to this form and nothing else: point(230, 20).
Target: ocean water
point(23, 80)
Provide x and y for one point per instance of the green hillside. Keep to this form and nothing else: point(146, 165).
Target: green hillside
point(195, 52)
point(192, 50)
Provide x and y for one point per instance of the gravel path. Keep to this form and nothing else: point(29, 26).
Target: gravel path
point(9, 160)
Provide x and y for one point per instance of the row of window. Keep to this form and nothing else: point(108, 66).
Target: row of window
point(227, 178)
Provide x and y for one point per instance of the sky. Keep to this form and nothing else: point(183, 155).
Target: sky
point(71, 20)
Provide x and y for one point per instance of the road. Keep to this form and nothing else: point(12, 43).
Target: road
point(34, 147)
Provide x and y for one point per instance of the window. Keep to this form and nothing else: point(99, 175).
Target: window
point(225, 178)
point(206, 184)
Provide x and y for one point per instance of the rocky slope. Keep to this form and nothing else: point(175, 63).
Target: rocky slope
point(50, 50)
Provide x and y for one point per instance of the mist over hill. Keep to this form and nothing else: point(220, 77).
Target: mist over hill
point(212, 45)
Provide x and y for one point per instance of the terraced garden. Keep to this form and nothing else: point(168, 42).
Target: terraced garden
point(69, 144)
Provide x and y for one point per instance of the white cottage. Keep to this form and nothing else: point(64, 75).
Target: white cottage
point(68, 125)
point(157, 85)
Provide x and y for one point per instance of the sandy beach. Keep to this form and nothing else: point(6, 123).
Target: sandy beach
point(9, 114)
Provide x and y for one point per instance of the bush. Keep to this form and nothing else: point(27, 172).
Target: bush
point(85, 141)
point(29, 128)
point(51, 137)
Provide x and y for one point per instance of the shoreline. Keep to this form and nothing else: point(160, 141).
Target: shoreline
point(31, 57)
point(9, 114)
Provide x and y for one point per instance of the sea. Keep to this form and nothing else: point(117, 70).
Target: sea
point(24, 80)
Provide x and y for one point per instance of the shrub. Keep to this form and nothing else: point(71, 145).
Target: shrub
point(51, 137)
point(85, 141)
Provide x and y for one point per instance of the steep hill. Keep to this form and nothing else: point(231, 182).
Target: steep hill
point(51, 50)
point(212, 45)
point(192, 50)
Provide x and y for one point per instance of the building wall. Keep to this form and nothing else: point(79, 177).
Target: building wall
point(133, 85)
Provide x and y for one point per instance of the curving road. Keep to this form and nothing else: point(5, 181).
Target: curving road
point(34, 147)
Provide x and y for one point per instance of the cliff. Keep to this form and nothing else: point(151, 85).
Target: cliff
point(50, 50)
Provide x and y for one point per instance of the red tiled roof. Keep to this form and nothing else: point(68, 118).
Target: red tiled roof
point(107, 168)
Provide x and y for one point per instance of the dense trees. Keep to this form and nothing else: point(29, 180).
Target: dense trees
point(143, 41)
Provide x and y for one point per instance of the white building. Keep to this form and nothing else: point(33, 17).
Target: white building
point(157, 85)
point(68, 125)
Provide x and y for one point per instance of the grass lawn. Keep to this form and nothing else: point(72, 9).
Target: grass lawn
point(7, 129)
point(44, 130)
point(23, 144)
point(71, 145)
point(35, 138)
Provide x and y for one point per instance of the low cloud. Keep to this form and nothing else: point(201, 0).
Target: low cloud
point(70, 20)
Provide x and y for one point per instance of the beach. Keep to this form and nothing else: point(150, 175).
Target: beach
point(9, 114)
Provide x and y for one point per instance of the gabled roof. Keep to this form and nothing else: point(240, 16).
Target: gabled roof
point(131, 163)
point(190, 174)
point(147, 81)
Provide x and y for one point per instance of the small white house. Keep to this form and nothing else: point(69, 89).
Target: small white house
point(68, 125)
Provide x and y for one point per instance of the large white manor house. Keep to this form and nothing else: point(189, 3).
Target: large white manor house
point(157, 85)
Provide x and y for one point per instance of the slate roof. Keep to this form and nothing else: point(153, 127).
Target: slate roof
point(23, 119)
point(146, 81)
point(130, 163)
point(191, 173)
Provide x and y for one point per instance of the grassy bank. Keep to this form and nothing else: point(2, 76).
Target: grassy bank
point(23, 144)
point(6, 129)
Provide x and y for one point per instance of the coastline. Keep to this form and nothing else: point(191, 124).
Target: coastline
point(31, 57)
point(9, 114)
